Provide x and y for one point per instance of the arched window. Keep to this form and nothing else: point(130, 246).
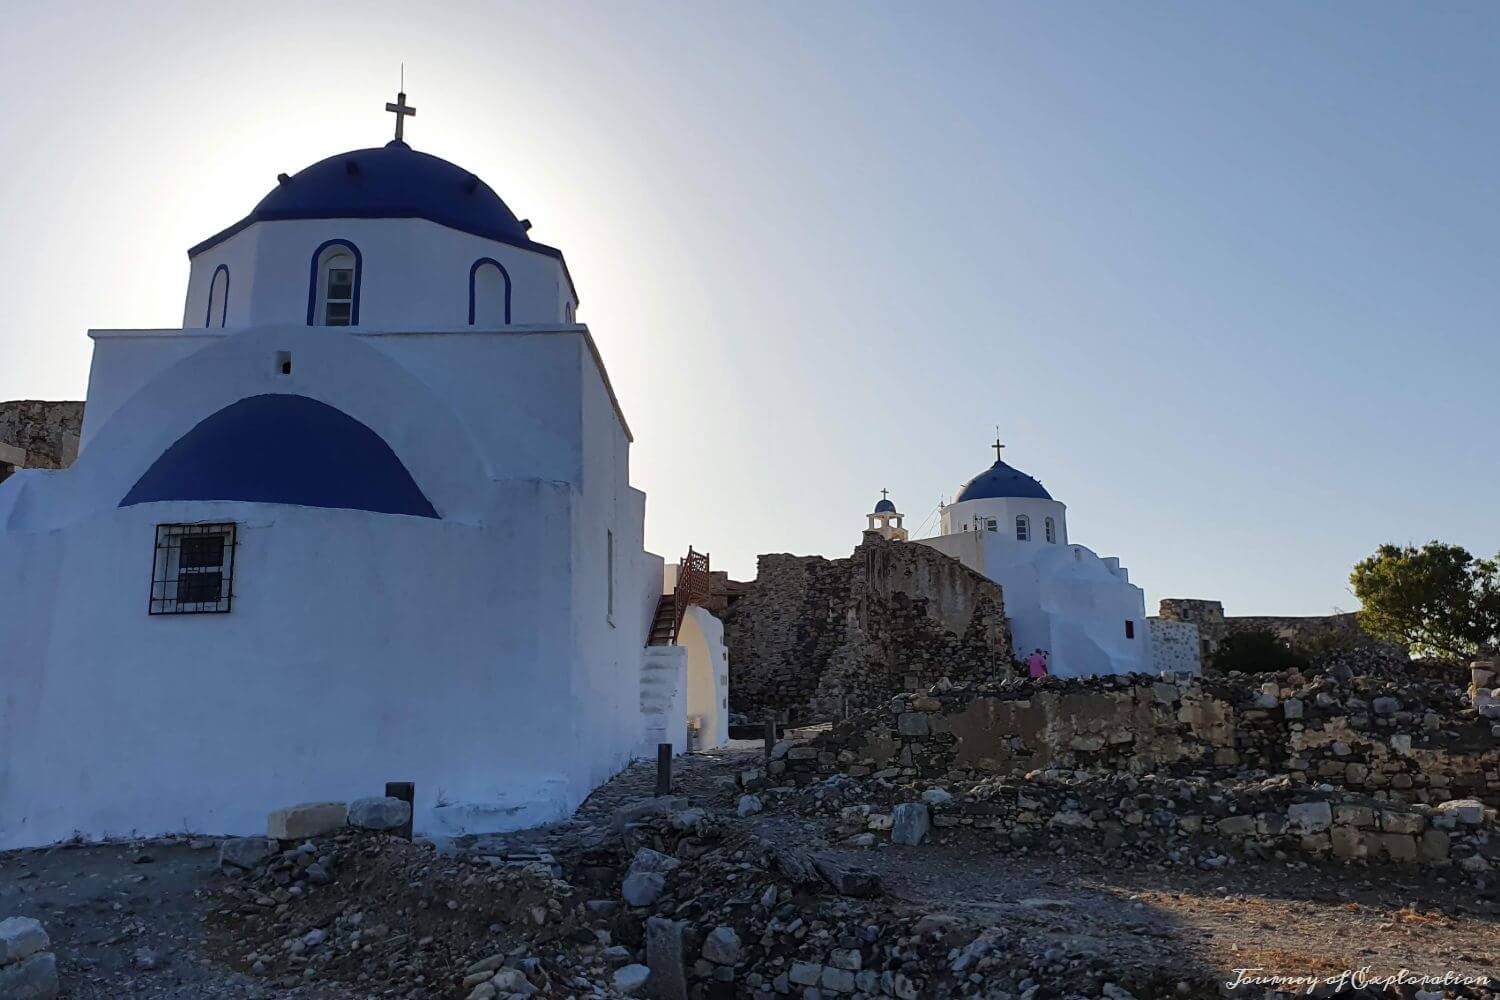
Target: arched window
point(218, 297)
point(333, 286)
point(1051, 527)
point(489, 293)
point(1023, 528)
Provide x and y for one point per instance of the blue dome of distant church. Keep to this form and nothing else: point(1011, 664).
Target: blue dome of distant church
point(1002, 482)
point(392, 181)
point(885, 507)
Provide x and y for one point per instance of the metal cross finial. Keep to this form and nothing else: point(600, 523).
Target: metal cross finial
point(401, 110)
point(997, 446)
point(884, 494)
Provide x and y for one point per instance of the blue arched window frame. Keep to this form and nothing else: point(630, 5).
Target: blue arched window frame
point(208, 310)
point(474, 274)
point(312, 280)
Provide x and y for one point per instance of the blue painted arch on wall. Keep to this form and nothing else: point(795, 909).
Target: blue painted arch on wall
point(208, 312)
point(281, 448)
point(473, 276)
point(312, 280)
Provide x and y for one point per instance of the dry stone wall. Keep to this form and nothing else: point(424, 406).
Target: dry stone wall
point(35, 434)
point(1312, 636)
point(817, 638)
point(1296, 765)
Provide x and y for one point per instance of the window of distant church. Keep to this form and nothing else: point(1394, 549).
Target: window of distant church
point(333, 299)
point(992, 525)
point(1023, 528)
point(1051, 528)
point(489, 293)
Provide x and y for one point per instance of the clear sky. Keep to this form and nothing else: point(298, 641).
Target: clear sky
point(1227, 275)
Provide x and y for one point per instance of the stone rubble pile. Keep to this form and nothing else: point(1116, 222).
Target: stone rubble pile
point(738, 916)
point(28, 970)
point(727, 914)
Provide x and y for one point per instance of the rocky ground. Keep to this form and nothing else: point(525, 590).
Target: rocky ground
point(768, 895)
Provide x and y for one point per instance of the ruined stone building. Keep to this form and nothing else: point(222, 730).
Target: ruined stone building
point(35, 434)
point(1307, 634)
point(815, 638)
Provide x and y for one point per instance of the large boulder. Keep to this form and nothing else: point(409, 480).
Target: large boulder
point(666, 954)
point(20, 937)
point(631, 979)
point(1468, 811)
point(381, 812)
point(643, 888)
point(246, 852)
point(722, 946)
point(909, 823)
point(1310, 817)
point(310, 819)
point(32, 978)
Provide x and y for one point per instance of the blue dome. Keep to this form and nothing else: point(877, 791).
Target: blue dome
point(390, 182)
point(885, 507)
point(1000, 481)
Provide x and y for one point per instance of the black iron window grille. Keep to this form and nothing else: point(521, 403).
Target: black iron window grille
point(193, 572)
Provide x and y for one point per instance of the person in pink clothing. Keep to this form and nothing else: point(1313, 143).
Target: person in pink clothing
point(1036, 664)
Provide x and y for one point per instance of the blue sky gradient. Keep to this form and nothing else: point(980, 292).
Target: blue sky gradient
point(1224, 274)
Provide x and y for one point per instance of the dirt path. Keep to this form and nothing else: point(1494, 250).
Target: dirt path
point(128, 920)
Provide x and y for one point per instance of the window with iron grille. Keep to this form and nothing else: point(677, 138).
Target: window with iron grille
point(193, 572)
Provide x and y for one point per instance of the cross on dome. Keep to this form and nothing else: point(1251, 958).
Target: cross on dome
point(997, 446)
point(401, 110)
point(884, 494)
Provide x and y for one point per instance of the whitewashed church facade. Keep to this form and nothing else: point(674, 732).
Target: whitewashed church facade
point(365, 517)
point(1080, 609)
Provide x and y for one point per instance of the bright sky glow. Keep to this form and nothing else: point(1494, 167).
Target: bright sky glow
point(1224, 274)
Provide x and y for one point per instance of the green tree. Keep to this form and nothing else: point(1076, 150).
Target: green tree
point(1438, 599)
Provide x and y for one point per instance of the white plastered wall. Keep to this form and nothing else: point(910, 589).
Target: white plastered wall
point(414, 274)
point(472, 654)
point(1063, 599)
point(702, 635)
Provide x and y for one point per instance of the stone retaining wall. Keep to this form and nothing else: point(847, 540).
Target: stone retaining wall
point(1137, 760)
point(1399, 750)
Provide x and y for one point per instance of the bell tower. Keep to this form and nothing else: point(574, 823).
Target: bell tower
point(886, 519)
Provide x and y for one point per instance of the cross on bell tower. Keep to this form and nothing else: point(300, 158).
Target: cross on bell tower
point(402, 111)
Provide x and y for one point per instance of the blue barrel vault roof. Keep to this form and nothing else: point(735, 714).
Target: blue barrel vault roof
point(287, 449)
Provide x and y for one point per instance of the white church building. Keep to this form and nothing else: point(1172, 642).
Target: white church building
point(365, 517)
point(1077, 607)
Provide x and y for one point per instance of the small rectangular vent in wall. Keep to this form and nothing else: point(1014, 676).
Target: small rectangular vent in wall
point(284, 362)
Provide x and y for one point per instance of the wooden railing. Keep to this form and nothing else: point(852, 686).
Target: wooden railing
point(694, 585)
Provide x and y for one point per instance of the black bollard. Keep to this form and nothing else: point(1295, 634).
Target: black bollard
point(663, 769)
point(406, 791)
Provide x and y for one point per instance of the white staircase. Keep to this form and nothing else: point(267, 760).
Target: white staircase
point(663, 699)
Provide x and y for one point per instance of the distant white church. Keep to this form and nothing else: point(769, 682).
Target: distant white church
point(366, 516)
point(1081, 610)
